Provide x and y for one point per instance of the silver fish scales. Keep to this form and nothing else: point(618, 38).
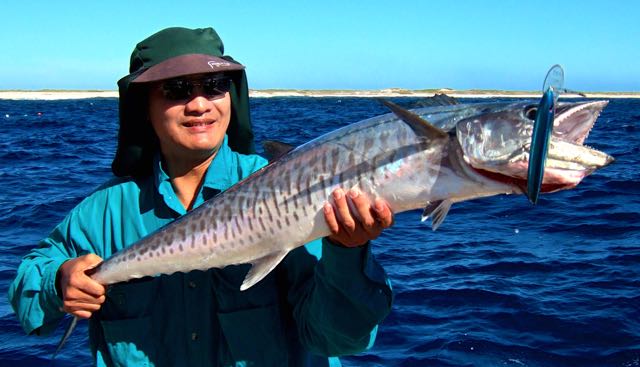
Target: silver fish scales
point(430, 157)
point(409, 162)
point(463, 152)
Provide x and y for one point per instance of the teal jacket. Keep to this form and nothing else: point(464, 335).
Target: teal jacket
point(322, 300)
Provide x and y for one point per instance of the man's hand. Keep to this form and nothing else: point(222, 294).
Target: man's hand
point(355, 229)
point(81, 295)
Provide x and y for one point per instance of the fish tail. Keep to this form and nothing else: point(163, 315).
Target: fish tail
point(67, 334)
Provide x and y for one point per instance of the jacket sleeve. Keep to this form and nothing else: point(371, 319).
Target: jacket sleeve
point(33, 293)
point(339, 299)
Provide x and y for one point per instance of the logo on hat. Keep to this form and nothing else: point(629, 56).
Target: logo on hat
point(217, 64)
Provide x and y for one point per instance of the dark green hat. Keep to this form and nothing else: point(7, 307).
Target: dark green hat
point(170, 53)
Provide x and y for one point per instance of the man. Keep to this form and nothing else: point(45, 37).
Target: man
point(183, 107)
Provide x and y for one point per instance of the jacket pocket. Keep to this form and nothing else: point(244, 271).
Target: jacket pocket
point(255, 336)
point(129, 342)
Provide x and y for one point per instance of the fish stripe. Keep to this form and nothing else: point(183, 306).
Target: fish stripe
point(285, 197)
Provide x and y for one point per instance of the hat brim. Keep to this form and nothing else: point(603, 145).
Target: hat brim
point(188, 64)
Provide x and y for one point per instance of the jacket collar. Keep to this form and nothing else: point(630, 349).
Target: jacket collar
point(216, 179)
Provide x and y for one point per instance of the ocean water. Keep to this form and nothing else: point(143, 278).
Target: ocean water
point(501, 283)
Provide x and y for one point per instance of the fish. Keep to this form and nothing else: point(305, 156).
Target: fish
point(426, 158)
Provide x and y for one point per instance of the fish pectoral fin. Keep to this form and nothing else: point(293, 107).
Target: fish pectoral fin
point(261, 267)
point(437, 210)
point(420, 126)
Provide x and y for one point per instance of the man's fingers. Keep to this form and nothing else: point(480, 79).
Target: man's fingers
point(91, 287)
point(85, 284)
point(342, 211)
point(355, 219)
point(82, 310)
point(89, 261)
point(383, 213)
point(78, 306)
point(363, 206)
point(76, 295)
point(73, 275)
point(330, 218)
point(82, 296)
point(80, 314)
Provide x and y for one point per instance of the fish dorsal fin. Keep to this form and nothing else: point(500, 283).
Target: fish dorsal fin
point(261, 268)
point(275, 149)
point(417, 124)
point(437, 210)
point(439, 99)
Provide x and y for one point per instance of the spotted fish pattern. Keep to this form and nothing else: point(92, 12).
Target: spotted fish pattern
point(398, 157)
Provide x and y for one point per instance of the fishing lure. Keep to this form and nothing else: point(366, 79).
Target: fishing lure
point(542, 129)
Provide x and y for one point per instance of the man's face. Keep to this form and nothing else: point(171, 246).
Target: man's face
point(190, 116)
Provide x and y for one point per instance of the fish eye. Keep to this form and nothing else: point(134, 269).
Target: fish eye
point(530, 112)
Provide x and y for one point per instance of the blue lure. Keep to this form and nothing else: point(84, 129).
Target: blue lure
point(540, 144)
point(542, 130)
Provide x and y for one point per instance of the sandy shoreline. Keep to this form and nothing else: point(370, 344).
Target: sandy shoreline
point(56, 95)
point(64, 94)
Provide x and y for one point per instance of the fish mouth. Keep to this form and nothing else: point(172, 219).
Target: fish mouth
point(568, 161)
point(574, 121)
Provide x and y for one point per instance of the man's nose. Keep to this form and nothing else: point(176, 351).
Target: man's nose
point(199, 105)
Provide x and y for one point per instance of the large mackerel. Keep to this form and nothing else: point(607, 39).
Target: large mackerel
point(426, 158)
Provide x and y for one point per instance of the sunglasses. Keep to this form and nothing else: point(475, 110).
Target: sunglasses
point(182, 89)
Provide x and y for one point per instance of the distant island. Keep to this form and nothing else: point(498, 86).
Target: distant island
point(266, 93)
point(399, 92)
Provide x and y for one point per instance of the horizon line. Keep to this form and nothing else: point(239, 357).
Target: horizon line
point(334, 90)
point(61, 94)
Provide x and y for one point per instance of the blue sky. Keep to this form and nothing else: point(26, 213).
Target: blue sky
point(335, 44)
